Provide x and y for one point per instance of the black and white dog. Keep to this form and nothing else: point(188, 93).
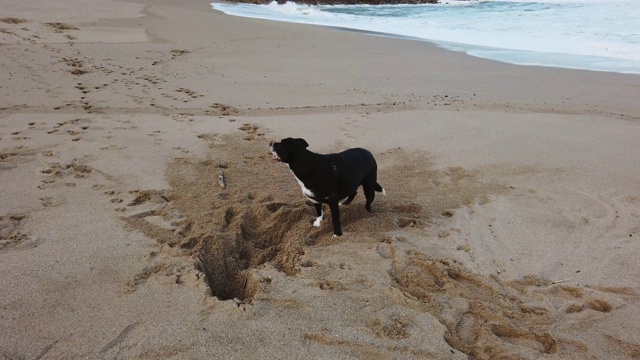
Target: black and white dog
point(329, 178)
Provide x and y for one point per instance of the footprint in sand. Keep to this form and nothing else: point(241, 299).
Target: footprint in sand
point(50, 201)
point(221, 110)
point(252, 130)
point(57, 171)
point(489, 318)
point(390, 327)
point(13, 236)
point(113, 147)
point(14, 157)
point(181, 149)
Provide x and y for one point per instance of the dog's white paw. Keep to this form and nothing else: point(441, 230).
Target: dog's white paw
point(334, 236)
point(317, 222)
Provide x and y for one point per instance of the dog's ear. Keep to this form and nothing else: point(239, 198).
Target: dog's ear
point(302, 142)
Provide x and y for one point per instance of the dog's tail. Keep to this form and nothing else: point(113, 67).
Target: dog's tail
point(380, 189)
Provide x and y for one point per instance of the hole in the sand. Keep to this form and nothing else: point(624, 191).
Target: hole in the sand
point(228, 256)
point(253, 237)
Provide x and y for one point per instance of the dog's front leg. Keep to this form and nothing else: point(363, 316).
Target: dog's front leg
point(335, 217)
point(319, 214)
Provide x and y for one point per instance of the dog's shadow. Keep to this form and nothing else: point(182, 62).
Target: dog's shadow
point(360, 225)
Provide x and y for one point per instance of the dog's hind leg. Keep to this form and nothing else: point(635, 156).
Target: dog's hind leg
point(319, 214)
point(369, 193)
point(349, 199)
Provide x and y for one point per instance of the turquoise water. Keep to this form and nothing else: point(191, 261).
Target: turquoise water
point(601, 35)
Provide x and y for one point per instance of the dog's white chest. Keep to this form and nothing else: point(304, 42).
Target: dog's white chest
point(308, 193)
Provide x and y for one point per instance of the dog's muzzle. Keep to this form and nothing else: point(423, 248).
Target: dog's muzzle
point(273, 151)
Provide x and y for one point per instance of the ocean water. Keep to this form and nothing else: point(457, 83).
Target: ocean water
point(599, 35)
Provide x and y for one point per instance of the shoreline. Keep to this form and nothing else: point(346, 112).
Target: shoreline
point(541, 59)
point(508, 228)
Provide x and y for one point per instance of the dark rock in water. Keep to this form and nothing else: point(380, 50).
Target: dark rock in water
point(342, 2)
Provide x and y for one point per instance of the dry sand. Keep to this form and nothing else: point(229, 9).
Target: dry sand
point(510, 229)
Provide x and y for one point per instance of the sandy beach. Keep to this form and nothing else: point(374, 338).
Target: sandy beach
point(510, 229)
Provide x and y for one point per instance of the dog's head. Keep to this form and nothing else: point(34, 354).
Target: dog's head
point(286, 148)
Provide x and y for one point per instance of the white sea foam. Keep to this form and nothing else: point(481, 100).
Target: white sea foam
point(585, 34)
